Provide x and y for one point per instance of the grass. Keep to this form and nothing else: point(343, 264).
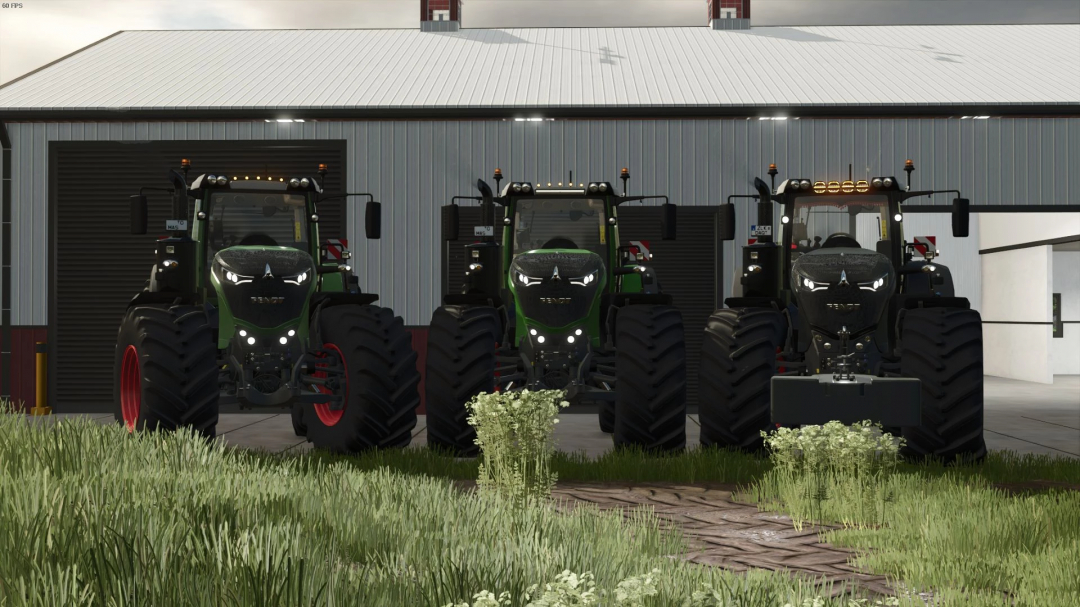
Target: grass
point(954, 533)
point(92, 516)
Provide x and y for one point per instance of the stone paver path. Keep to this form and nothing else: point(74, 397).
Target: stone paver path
point(723, 533)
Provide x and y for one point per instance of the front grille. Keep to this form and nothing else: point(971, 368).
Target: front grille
point(555, 302)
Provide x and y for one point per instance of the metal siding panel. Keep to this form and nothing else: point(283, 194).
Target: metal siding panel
point(728, 153)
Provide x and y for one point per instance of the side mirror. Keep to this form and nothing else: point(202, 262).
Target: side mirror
point(450, 224)
point(138, 214)
point(764, 193)
point(667, 221)
point(373, 220)
point(961, 217)
point(727, 222)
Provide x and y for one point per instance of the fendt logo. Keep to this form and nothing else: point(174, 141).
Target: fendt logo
point(845, 307)
point(555, 300)
point(267, 300)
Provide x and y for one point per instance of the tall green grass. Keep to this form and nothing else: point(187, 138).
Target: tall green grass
point(92, 516)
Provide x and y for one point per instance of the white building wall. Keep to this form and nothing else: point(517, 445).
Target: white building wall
point(1017, 287)
point(416, 166)
point(1065, 351)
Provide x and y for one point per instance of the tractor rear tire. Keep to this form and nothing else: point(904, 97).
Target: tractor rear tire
point(298, 424)
point(738, 361)
point(166, 374)
point(607, 416)
point(380, 382)
point(460, 364)
point(942, 347)
point(650, 386)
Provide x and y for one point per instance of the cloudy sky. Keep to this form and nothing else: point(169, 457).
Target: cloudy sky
point(45, 30)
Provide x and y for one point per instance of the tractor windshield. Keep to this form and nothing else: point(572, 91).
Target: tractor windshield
point(858, 221)
point(567, 223)
point(273, 219)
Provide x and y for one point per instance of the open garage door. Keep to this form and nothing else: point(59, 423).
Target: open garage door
point(98, 266)
point(688, 268)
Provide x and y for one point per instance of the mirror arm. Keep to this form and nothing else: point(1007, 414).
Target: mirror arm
point(621, 199)
point(370, 197)
point(754, 196)
point(905, 195)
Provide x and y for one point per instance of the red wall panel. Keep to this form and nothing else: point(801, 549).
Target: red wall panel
point(23, 367)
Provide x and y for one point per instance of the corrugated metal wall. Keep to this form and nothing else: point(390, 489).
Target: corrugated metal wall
point(415, 166)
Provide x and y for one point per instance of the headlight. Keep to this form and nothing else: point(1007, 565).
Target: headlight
point(804, 184)
point(516, 188)
point(602, 187)
point(876, 285)
point(877, 183)
point(527, 281)
point(294, 182)
point(584, 281)
point(794, 185)
point(526, 188)
point(809, 285)
point(887, 182)
point(305, 182)
point(592, 188)
point(298, 279)
point(237, 279)
point(222, 180)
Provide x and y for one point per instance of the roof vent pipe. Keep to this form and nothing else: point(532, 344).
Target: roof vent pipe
point(729, 14)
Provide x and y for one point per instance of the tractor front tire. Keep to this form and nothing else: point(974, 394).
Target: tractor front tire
point(380, 382)
point(738, 361)
point(650, 387)
point(299, 426)
point(607, 416)
point(943, 349)
point(166, 374)
point(460, 364)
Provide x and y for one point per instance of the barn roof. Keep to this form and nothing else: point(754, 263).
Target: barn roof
point(661, 69)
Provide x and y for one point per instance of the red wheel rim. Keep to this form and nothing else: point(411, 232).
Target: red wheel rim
point(328, 416)
point(130, 388)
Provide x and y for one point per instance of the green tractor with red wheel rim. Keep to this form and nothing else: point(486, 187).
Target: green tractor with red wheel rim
point(839, 320)
point(246, 308)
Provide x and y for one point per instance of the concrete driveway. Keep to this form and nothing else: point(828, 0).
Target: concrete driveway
point(1021, 416)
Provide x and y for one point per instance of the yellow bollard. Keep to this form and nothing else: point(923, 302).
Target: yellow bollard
point(40, 395)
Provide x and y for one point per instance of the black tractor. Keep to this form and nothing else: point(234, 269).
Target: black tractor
point(839, 320)
point(243, 308)
point(559, 305)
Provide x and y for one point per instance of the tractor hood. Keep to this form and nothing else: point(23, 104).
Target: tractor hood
point(557, 288)
point(264, 286)
point(843, 287)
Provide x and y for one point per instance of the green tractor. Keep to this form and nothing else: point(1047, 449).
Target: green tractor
point(245, 309)
point(559, 305)
point(838, 320)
